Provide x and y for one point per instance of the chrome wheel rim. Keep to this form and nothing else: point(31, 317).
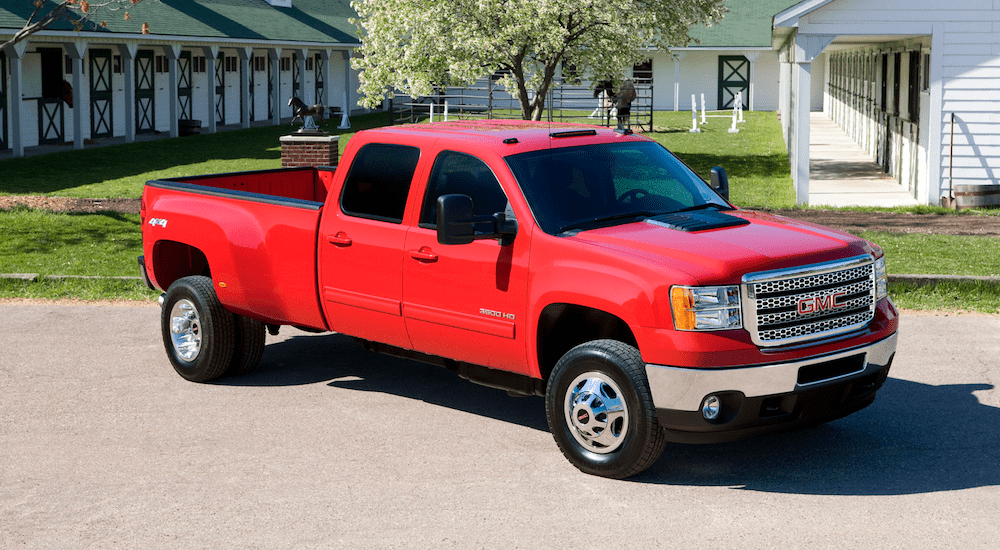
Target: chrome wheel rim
point(185, 330)
point(596, 413)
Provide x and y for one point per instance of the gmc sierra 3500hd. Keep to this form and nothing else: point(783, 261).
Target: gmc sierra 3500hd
point(586, 265)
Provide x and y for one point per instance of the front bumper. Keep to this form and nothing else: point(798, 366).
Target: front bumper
point(770, 397)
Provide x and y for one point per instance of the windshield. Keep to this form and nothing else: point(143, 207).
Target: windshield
point(596, 185)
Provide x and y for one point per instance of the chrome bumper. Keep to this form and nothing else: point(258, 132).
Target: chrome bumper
point(683, 389)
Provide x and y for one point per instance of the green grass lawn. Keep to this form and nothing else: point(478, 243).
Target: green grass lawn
point(107, 244)
point(755, 158)
point(121, 170)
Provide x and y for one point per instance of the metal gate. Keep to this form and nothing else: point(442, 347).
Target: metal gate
point(3, 101)
point(145, 93)
point(101, 95)
point(734, 77)
point(184, 84)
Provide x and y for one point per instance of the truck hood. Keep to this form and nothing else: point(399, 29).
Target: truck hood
point(723, 256)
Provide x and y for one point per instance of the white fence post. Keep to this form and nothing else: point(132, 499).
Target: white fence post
point(703, 121)
point(694, 116)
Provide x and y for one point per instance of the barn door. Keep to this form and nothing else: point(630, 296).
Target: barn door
point(184, 84)
point(734, 77)
point(220, 88)
point(3, 100)
point(270, 88)
point(145, 93)
point(295, 76)
point(55, 94)
point(102, 122)
point(319, 75)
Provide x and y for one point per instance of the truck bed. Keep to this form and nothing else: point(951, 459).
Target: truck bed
point(300, 184)
point(259, 229)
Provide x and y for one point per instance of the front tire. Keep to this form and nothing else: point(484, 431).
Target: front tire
point(198, 333)
point(601, 412)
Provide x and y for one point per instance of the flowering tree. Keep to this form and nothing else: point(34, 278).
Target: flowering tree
point(77, 12)
point(412, 45)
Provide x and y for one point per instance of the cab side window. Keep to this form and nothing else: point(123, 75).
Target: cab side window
point(379, 182)
point(458, 173)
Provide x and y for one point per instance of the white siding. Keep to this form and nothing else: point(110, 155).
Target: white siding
point(968, 75)
point(699, 73)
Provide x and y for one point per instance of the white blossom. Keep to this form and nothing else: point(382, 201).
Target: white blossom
point(413, 45)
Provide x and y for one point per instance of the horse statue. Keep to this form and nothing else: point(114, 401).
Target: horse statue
point(306, 113)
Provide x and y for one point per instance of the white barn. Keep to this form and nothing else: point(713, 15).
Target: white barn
point(220, 62)
point(893, 75)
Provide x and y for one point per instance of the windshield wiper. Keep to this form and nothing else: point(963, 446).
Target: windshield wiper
point(602, 219)
point(702, 207)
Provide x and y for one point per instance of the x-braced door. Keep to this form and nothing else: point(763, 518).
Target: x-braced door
point(270, 89)
point(101, 95)
point(184, 84)
point(295, 76)
point(145, 93)
point(318, 78)
point(3, 101)
point(253, 102)
point(220, 88)
point(734, 77)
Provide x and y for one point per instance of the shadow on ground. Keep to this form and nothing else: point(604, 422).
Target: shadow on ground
point(915, 438)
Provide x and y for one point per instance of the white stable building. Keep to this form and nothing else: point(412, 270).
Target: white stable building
point(894, 74)
point(217, 63)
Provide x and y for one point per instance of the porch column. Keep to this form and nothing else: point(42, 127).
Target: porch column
point(677, 80)
point(173, 53)
point(807, 47)
point(274, 54)
point(345, 121)
point(784, 86)
point(76, 51)
point(751, 57)
point(128, 52)
point(15, 56)
point(327, 98)
point(246, 54)
point(211, 59)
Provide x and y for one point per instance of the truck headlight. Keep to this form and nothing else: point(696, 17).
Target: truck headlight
point(881, 281)
point(706, 307)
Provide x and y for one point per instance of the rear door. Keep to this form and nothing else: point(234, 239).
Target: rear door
point(466, 302)
point(361, 245)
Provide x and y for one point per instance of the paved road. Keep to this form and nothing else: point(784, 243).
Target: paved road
point(102, 445)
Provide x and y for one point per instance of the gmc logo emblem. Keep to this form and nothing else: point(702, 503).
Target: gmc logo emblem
point(817, 304)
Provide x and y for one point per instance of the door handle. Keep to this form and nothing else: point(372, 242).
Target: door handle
point(340, 239)
point(424, 255)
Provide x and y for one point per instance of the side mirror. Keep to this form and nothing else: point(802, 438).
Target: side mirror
point(720, 182)
point(456, 222)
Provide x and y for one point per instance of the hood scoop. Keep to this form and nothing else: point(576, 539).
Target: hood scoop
point(697, 221)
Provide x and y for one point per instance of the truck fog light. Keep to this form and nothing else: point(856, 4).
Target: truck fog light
point(711, 407)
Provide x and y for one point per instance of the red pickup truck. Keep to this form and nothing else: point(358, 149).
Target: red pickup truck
point(582, 264)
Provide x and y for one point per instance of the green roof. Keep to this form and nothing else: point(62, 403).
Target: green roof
point(306, 21)
point(746, 25)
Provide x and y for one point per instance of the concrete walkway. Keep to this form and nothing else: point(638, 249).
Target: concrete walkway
point(842, 174)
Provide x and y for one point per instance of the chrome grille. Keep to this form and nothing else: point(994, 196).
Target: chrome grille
point(809, 302)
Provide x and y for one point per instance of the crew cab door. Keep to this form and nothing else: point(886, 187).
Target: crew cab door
point(361, 246)
point(466, 302)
